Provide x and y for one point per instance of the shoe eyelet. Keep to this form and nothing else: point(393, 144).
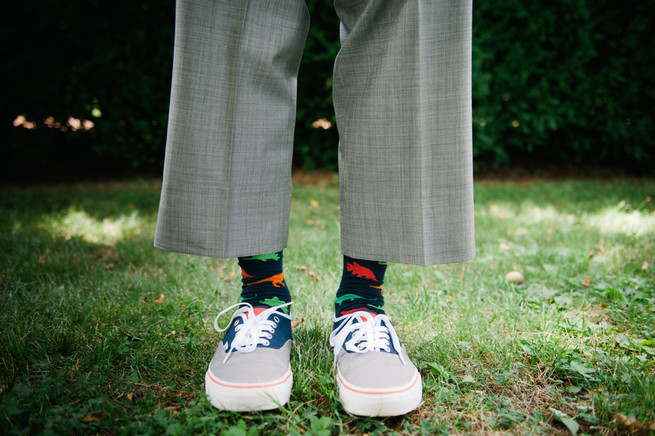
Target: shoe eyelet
point(236, 322)
point(267, 343)
point(276, 319)
point(274, 325)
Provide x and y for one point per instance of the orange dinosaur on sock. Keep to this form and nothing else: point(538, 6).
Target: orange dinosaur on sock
point(277, 280)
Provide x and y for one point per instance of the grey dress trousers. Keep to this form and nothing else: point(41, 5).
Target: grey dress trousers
point(402, 98)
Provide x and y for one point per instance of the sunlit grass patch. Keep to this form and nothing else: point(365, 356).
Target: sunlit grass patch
point(623, 220)
point(79, 223)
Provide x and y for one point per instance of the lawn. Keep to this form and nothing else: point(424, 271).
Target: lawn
point(101, 333)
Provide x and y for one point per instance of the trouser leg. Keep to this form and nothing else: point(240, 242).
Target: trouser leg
point(402, 97)
point(227, 174)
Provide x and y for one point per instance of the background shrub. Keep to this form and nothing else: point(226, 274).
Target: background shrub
point(567, 81)
point(560, 82)
point(108, 62)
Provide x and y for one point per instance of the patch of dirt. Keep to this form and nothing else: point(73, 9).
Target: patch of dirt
point(320, 177)
point(484, 173)
point(539, 171)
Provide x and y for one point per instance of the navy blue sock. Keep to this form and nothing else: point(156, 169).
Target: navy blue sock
point(263, 282)
point(361, 287)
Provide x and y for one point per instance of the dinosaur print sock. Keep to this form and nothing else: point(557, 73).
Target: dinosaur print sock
point(263, 281)
point(361, 287)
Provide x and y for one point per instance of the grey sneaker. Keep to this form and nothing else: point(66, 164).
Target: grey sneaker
point(374, 373)
point(251, 368)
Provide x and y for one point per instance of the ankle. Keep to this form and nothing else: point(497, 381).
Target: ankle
point(360, 287)
point(263, 283)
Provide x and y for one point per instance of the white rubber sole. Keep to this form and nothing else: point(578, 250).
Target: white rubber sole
point(248, 397)
point(380, 402)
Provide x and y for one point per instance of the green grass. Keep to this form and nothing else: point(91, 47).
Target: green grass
point(101, 333)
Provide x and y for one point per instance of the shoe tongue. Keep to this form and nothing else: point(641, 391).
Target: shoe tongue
point(369, 315)
point(361, 318)
point(258, 310)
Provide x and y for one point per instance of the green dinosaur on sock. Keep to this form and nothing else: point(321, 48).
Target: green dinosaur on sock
point(264, 257)
point(351, 297)
point(273, 302)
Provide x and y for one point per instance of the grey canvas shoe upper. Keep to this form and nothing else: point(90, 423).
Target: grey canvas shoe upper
point(259, 368)
point(374, 373)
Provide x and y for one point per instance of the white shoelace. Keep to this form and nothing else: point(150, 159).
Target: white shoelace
point(368, 334)
point(251, 330)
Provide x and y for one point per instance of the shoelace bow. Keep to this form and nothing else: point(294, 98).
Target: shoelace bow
point(369, 333)
point(251, 330)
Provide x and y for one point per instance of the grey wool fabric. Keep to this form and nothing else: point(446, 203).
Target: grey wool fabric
point(402, 98)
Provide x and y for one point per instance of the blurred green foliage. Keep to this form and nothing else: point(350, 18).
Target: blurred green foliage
point(568, 81)
point(560, 82)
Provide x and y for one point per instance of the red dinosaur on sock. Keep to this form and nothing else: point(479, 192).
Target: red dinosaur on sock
point(245, 275)
point(360, 271)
